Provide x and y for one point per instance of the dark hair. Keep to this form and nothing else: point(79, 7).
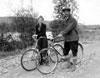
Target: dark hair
point(66, 9)
point(40, 17)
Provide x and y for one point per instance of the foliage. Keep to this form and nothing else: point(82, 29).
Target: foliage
point(56, 26)
point(4, 27)
point(59, 23)
point(60, 4)
point(25, 21)
point(27, 40)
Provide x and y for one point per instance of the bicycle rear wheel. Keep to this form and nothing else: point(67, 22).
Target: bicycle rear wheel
point(51, 61)
point(28, 59)
point(79, 53)
point(60, 50)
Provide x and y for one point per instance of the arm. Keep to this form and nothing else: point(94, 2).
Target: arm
point(69, 27)
point(36, 31)
point(34, 36)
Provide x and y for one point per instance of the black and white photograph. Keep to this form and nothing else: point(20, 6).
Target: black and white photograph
point(49, 38)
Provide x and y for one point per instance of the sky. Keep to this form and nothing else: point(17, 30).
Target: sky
point(89, 10)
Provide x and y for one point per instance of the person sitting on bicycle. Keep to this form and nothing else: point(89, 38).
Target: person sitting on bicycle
point(71, 38)
point(42, 38)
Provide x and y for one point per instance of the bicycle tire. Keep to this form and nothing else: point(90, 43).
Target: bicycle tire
point(47, 69)
point(82, 53)
point(58, 47)
point(62, 49)
point(22, 57)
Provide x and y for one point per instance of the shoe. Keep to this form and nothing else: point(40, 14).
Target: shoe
point(71, 68)
point(41, 63)
point(63, 58)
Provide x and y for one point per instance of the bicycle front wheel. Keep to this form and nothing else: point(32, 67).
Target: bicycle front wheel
point(59, 48)
point(51, 61)
point(28, 59)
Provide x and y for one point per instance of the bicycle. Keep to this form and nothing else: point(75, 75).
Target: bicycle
point(32, 57)
point(59, 49)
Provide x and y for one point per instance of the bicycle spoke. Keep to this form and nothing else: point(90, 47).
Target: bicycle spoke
point(50, 62)
point(28, 60)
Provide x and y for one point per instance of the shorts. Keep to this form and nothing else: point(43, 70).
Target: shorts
point(72, 45)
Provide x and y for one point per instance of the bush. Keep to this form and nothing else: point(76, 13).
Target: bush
point(27, 40)
point(4, 27)
point(6, 46)
point(24, 22)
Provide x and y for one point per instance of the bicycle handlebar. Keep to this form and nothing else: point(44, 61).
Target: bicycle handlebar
point(54, 40)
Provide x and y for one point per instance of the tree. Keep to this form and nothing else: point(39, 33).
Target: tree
point(24, 21)
point(59, 23)
point(4, 27)
point(60, 4)
point(56, 26)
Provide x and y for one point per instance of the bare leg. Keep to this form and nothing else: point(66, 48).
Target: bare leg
point(74, 64)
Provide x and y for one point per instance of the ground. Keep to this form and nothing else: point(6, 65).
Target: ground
point(89, 68)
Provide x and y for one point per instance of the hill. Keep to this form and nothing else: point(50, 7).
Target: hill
point(6, 19)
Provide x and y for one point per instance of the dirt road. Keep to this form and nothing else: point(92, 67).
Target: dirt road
point(89, 68)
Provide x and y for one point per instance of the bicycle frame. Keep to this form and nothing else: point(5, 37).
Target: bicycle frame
point(55, 42)
point(58, 44)
point(36, 42)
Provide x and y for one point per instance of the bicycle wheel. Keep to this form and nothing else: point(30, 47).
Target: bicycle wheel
point(79, 53)
point(28, 59)
point(59, 49)
point(51, 61)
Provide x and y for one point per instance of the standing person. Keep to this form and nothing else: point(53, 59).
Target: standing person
point(41, 35)
point(71, 37)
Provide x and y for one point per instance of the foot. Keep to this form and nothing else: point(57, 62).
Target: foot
point(40, 63)
point(72, 68)
point(63, 58)
point(69, 65)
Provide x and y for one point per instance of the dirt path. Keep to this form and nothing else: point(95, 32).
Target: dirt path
point(90, 67)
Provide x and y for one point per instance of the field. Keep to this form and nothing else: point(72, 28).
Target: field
point(90, 67)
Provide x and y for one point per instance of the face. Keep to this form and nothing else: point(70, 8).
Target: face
point(40, 20)
point(66, 13)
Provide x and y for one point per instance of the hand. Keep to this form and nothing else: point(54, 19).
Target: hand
point(34, 36)
point(59, 35)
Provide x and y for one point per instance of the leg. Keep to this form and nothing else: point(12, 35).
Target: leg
point(45, 45)
point(40, 48)
point(66, 48)
point(74, 48)
point(66, 53)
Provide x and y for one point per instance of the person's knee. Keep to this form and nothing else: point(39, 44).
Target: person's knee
point(74, 52)
point(66, 52)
